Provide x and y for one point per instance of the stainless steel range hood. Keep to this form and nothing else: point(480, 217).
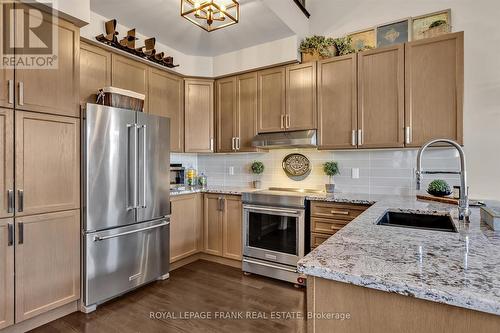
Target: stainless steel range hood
point(295, 139)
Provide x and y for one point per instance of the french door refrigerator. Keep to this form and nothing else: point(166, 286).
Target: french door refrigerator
point(126, 214)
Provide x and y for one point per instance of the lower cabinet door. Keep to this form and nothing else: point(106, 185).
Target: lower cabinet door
point(185, 226)
point(231, 228)
point(47, 262)
point(6, 273)
point(212, 224)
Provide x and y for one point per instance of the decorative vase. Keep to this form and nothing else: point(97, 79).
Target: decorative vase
point(330, 188)
point(256, 184)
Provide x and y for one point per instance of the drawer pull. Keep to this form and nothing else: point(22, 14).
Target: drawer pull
point(339, 212)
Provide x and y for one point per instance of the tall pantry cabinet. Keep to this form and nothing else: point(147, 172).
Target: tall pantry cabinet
point(40, 183)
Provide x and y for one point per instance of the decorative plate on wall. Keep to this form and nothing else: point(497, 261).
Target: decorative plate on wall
point(296, 166)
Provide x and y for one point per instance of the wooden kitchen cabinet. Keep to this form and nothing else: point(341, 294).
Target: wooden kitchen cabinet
point(166, 99)
point(130, 75)
point(301, 97)
point(223, 225)
point(434, 89)
point(53, 91)
point(381, 97)
point(186, 225)
point(95, 71)
point(47, 163)
point(271, 100)
point(7, 88)
point(47, 262)
point(6, 273)
point(212, 224)
point(337, 102)
point(6, 161)
point(199, 115)
point(246, 108)
point(226, 114)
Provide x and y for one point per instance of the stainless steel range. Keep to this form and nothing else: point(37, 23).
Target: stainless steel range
point(274, 232)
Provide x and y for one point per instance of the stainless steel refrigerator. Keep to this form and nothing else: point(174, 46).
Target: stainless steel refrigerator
point(126, 201)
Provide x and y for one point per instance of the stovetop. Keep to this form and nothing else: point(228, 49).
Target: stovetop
point(278, 197)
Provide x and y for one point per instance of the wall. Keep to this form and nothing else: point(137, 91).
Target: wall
point(189, 65)
point(479, 20)
point(380, 171)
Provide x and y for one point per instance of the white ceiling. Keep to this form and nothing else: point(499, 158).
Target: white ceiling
point(161, 19)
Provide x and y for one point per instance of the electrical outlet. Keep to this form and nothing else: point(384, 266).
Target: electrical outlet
point(231, 170)
point(355, 173)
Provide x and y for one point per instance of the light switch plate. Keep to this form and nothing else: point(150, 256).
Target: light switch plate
point(355, 173)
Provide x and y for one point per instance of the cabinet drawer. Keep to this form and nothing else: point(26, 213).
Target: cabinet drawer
point(318, 239)
point(337, 210)
point(327, 226)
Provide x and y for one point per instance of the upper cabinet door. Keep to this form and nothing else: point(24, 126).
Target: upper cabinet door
point(6, 75)
point(199, 116)
point(434, 89)
point(226, 114)
point(166, 99)
point(337, 102)
point(271, 107)
point(301, 97)
point(47, 163)
point(95, 71)
point(6, 273)
point(130, 75)
point(6, 162)
point(52, 90)
point(246, 109)
point(381, 97)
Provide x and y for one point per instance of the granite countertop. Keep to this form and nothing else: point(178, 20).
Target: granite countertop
point(460, 269)
point(229, 190)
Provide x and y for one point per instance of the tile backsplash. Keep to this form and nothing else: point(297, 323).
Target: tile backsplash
point(380, 171)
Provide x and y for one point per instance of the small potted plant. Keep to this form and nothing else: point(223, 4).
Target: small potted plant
point(331, 169)
point(316, 48)
point(344, 45)
point(257, 169)
point(439, 188)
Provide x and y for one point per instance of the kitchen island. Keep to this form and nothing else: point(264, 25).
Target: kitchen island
point(394, 279)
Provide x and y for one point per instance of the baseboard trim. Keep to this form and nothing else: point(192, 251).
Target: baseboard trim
point(204, 256)
point(42, 319)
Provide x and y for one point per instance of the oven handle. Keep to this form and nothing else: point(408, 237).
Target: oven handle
point(270, 265)
point(272, 210)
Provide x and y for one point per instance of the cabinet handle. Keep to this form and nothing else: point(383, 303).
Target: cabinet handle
point(10, 231)
point(20, 197)
point(407, 135)
point(211, 144)
point(20, 226)
point(238, 143)
point(339, 212)
point(287, 121)
point(360, 137)
point(11, 91)
point(21, 93)
point(223, 204)
point(10, 201)
point(353, 138)
point(282, 121)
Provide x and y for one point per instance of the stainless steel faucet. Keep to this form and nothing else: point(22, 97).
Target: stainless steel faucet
point(463, 203)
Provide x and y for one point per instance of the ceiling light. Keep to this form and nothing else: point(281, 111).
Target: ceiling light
point(211, 15)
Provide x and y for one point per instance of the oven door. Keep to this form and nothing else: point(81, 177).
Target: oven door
point(273, 234)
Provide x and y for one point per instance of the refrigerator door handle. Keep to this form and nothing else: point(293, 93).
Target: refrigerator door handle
point(101, 238)
point(134, 190)
point(144, 166)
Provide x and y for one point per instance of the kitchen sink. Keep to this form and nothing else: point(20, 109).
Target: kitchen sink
point(418, 221)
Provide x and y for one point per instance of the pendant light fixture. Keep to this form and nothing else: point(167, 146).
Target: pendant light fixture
point(211, 15)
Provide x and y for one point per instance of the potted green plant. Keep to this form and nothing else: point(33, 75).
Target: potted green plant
point(316, 48)
point(257, 168)
point(344, 45)
point(331, 169)
point(439, 188)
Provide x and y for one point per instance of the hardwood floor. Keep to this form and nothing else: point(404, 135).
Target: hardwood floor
point(202, 288)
